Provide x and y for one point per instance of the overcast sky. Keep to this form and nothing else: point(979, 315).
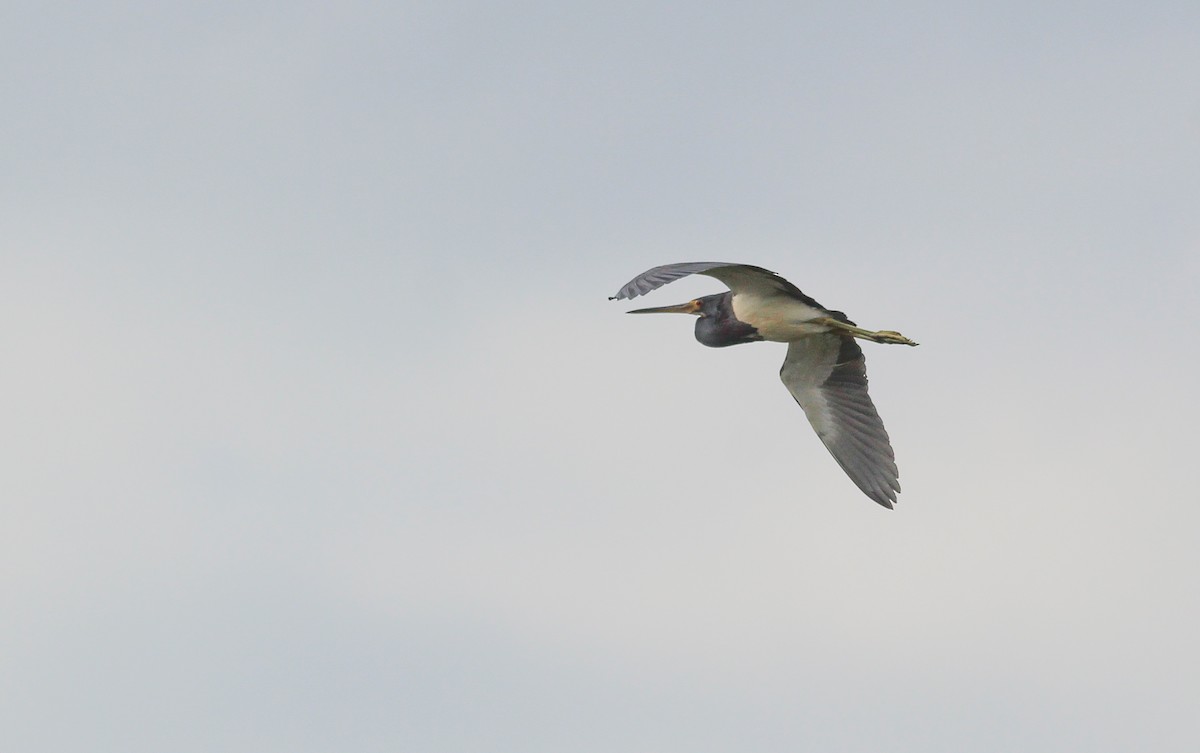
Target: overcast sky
point(321, 435)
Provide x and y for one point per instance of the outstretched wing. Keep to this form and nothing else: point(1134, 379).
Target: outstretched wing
point(827, 375)
point(740, 278)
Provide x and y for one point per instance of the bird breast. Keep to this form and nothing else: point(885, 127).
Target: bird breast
point(778, 318)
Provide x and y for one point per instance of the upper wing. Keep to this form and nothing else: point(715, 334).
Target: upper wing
point(827, 375)
point(740, 278)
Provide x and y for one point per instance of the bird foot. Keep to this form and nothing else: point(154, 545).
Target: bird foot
point(889, 337)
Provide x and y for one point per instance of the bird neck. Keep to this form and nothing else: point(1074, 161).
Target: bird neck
point(719, 328)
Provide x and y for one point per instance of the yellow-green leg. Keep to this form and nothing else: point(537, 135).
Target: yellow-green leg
point(882, 336)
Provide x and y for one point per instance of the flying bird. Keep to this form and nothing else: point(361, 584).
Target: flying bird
point(824, 369)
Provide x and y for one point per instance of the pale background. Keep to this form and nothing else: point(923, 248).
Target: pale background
point(320, 435)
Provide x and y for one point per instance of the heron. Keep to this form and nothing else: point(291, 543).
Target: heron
point(824, 370)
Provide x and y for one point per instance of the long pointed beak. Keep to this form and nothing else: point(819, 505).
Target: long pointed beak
point(691, 307)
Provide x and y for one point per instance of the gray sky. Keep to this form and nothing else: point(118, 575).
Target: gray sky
point(321, 435)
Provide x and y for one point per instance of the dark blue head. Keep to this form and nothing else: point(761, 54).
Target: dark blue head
point(717, 327)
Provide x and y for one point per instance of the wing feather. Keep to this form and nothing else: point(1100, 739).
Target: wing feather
point(740, 278)
point(827, 376)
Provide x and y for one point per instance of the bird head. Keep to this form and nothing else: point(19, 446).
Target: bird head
point(716, 327)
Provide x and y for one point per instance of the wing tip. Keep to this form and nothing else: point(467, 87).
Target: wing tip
point(885, 494)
